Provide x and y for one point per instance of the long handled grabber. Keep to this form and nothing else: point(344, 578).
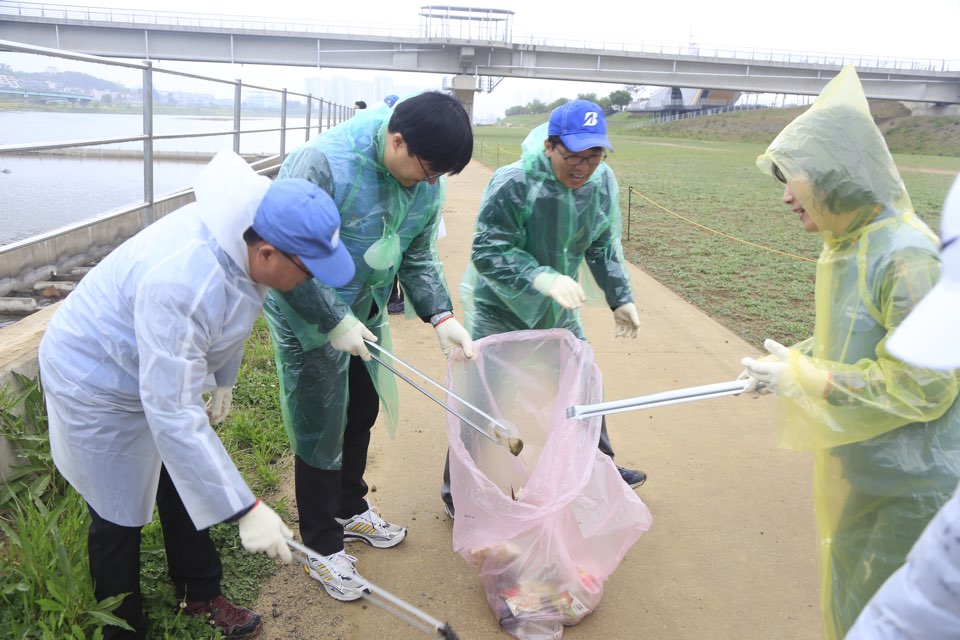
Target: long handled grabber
point(690, 394)
point(381, 597)
point(495, 431)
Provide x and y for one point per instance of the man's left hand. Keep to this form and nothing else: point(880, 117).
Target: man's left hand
point(451, 335)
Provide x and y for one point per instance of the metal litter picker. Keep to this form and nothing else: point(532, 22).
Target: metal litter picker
point(382, 598)
point(495, 431)
point(662, 399)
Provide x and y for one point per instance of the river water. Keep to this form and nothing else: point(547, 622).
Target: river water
point(40, 193)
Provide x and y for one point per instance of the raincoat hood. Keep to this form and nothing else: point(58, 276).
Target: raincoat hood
point(837, 162)
point(228, 192)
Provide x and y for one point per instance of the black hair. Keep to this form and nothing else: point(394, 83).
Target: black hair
point(360, 104)
point(436, 128)
point(251, 237)
point(778, 174)
point(554, 141)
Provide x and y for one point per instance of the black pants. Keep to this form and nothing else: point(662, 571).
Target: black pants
point(326, 494)
point(192, 560)
point(604, 445)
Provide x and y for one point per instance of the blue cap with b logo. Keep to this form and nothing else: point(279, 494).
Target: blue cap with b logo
point(580, 125)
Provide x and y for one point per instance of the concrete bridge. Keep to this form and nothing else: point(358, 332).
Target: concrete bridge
point(474, 46)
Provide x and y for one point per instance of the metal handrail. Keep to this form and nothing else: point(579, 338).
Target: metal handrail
point(335, 113)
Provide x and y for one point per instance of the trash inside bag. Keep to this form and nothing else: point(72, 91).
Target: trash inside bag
point(545, 528)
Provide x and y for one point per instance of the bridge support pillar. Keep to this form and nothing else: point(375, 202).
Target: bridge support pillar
point(463, 88)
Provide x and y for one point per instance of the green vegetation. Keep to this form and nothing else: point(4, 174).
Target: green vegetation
point(616, 101)
point(45, 586)
point(757, 279)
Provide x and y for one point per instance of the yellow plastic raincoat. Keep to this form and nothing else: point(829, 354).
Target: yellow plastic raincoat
point(387, 228)
point(885, 435)
point(530, 223)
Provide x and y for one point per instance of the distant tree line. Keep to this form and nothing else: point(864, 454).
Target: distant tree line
point(616, 101)
point(71, 79)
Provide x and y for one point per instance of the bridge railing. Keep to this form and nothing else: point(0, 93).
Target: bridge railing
point(494, 36)
point(26, 261)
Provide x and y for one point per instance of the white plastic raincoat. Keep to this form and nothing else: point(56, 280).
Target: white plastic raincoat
point(126, 357)
point(530, 223)
point(388, 228)
point(885, 434)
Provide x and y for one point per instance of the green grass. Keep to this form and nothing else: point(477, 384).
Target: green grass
point(45, 587)
point(756, 292)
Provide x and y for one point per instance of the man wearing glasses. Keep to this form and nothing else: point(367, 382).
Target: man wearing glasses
point(540, 218)
point(126, 359)
point(384, 170)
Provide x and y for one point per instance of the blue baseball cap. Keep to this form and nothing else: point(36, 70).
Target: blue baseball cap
point(300, 219)
point(580, 125)
point(390, 100)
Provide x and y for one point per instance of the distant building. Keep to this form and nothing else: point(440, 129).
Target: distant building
point(673, 103)
point(676, 100)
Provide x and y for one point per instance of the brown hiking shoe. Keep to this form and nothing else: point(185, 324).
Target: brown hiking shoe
point(233, 621)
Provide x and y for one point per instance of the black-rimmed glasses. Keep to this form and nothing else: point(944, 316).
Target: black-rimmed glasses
point(573, 160)
point(295, 263)
point(426, 174)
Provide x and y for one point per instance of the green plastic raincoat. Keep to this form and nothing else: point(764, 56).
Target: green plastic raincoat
point(530, 223)
point(885, 435)
point(387, 228)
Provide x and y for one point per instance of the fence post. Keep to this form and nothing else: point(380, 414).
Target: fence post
point(237, 97)
point(309, 106)
point(283, 124)
point(629, 209)
point(148, 133)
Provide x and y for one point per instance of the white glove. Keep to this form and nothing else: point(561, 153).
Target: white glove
point(753, 387)
point(768, 371)
point(261, 529)
point(627, 321)
point(451, 335)
point(348, 336)
point(565, 290)
point(219, 403)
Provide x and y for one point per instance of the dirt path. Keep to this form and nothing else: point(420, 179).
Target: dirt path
point(731, 553)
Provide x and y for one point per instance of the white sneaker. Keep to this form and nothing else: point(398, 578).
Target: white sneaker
point(372, 529)
point(344, 583)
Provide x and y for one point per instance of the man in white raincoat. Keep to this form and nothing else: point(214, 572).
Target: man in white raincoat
point(384, 169)
point(124, 363)
point(921, 601)
point(541, 218)
point(885, 434)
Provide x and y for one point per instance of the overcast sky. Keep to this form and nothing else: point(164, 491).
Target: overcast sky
point(922, 29)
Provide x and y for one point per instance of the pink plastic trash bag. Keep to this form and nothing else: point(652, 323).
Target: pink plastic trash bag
point(548, 527)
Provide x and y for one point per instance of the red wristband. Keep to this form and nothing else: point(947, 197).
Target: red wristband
point(450, 317)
